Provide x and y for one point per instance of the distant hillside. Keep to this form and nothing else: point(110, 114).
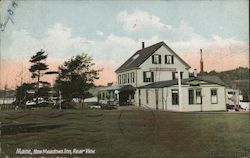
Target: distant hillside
point(229, 76)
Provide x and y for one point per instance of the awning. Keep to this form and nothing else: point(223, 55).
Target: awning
point(119, 87)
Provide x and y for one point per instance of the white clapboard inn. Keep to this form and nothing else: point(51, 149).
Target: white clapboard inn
point(158, 78)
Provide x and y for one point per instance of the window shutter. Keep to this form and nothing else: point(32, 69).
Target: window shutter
point(144, 76)
point(165, 59)
point(173, 75)
point(181, 75)
point(153, 61)
point(172, 59)
point(159, 59)
point(152, 76)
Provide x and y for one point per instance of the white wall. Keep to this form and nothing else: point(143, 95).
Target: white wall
point(161, 75)
point(158, 75)
point(151, 98)
point(130, 80)
point(165, 102)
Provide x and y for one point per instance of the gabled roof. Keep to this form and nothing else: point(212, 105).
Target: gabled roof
point(141, 55)
point(209, 79)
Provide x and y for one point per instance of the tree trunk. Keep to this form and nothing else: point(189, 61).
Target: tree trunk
point(37, 86)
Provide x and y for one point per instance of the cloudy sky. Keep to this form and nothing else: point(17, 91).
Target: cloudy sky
point(112, 31)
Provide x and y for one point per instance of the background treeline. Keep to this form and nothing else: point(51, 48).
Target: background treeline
point(228, 77)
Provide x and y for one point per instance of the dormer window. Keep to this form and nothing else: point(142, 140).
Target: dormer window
point(156, 59)
point(169, 59)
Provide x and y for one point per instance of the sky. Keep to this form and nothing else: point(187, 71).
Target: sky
point(111, 31)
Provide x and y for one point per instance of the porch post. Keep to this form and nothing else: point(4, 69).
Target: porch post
point(179, 85)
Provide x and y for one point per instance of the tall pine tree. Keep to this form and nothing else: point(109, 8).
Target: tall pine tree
point(37, 68)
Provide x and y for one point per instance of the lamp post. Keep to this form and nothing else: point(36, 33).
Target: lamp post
point(117, 95)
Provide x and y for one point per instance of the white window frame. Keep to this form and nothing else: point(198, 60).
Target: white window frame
point(196, 99)
point(175, 91)
point(214, 98)
point(168, 59)
point(149, 76)
point(156, 59)
point(132, 77)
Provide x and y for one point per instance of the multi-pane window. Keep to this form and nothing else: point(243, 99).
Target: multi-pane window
point(148, 76)
point(132, 77)
point(214, 96)
point(156, 59)
point(175, 75)
point(191, 96)
point(120, 79)
point(128, 77)
point(123, 78)
point(194, 96)
point(198, 96)
point(175, 97)
point(169, 59)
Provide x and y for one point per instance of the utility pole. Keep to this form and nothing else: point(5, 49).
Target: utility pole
point(179, 87)
point(0, 63)
point(201, 63)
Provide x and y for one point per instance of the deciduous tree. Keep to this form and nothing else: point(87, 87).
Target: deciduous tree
point(76, 77)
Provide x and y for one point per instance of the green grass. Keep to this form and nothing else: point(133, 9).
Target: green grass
point(133, 134)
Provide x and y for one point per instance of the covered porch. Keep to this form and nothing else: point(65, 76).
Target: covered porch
point(117, 95)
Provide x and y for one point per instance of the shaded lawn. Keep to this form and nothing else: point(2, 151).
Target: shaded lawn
point(125, 134)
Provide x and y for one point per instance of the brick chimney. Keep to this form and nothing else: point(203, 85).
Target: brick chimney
point(142, 45)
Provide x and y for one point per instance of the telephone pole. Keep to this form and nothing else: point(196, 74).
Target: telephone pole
point(201, 63)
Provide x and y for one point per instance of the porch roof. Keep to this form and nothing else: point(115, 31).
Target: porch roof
point(118, 87)
point(110, 88)
point(168, 83)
